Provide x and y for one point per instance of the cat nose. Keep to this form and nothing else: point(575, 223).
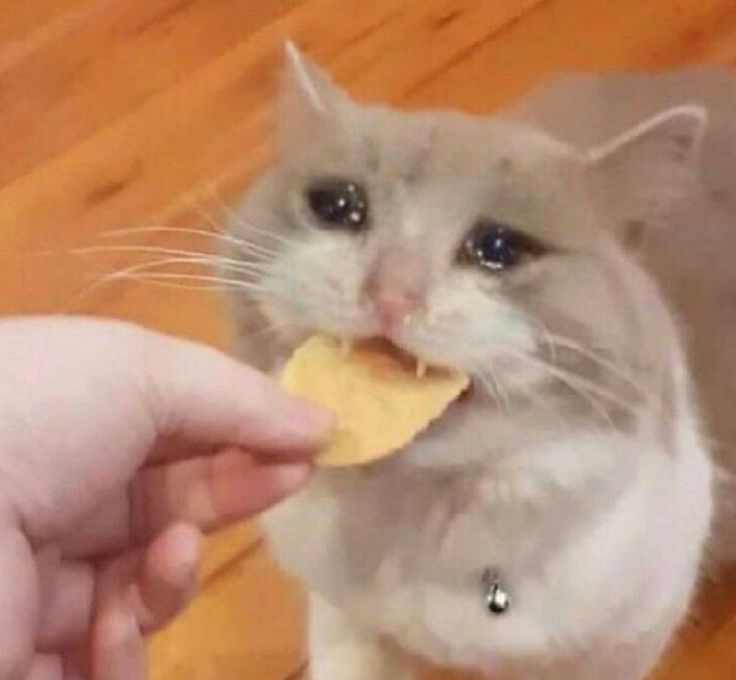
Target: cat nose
point(395, 288)
point(392, 308)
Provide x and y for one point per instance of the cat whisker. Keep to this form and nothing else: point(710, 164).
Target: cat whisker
point(586, 389)
point(234, 217)
point(182, 255)
point(488, 375)
point(218, 283)
point(120, 274)
point(595, 395)
point(538, 400)
point(159, 282)
point(238, 220)
point(490, 387)
point(263, 233)
point(200, 210)
point(546, 337)
point(143, 269)
point(241, 244)
point(600, 361)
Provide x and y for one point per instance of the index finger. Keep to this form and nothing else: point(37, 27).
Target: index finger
point(199, 394)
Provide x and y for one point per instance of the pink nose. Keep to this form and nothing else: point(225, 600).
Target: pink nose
point(396, 288)
point(393, 307)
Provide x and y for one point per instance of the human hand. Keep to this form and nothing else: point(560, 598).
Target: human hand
point(117, 447)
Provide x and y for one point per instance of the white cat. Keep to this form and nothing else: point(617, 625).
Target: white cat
point(551, 524)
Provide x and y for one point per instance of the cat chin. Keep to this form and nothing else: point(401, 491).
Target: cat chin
point(452, 441)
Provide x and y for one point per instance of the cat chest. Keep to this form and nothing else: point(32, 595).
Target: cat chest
point(422, 584)
point(397, 551)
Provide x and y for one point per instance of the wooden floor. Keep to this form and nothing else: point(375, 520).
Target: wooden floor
point(126, 113)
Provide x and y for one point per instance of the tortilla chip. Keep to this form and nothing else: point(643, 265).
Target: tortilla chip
point(380, 399)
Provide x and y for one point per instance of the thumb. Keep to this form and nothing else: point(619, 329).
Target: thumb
point(199, 394)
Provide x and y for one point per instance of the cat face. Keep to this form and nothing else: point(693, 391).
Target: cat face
point(468, 242)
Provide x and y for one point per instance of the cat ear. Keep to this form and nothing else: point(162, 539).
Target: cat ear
point(307, 82)
point(643, 172)
point(310, 102)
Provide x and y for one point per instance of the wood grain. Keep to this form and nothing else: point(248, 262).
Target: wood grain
point(127, 113)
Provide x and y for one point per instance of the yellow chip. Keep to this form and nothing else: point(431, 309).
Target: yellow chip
point(380, 399)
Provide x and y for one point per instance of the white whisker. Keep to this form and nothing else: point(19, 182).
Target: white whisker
point(238, 219)
point(140, 272)
point(233, 284)
point(160, 283)
point(600, 361)
point(586, 389)
point(233, 216)
point(144, 267)
point(492, 388)
point(593, 393)
point(204, 214)
point(546, 337)
point(502, 395)
point(192, 256)
point(246, 246)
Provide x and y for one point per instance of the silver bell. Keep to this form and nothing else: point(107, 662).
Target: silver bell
point(497, 599)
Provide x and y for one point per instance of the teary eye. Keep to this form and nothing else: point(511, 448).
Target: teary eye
point(498, 247)
point(339, 204)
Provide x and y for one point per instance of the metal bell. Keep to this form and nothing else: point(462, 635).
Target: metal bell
point(497, 599)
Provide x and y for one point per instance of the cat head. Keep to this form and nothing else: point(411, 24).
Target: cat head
point(470, 242)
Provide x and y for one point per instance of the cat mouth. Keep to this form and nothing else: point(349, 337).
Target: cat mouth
point(410, 361)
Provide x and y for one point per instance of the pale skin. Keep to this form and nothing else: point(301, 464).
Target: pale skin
point(118, 448)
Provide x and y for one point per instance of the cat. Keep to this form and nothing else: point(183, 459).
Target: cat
point(552, 523)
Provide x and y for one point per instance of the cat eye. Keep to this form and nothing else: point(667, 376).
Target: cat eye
point(498, 247)
point(339, 204)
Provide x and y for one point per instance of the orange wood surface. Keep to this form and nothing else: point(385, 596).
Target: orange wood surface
point(118, 114)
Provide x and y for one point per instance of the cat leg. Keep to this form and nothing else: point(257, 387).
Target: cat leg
point(339, 650)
